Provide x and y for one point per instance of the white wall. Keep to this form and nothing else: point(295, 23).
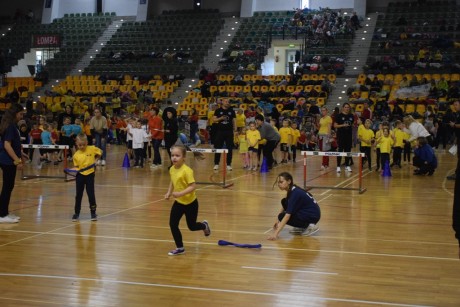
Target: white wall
point(276, 5)
point(120, 7)
point(50, 13)
point(247, 8)
point(76, 6)
point(332, 4)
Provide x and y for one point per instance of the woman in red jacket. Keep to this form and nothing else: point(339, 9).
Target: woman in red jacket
point(157, 132)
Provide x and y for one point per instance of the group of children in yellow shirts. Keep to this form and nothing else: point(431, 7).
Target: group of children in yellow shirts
point(385, 141)
point(249, 139)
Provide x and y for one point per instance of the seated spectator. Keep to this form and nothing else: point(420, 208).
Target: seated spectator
point(404, 83)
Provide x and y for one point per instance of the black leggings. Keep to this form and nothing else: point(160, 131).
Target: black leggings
point(9, 176)
point(191, 214)
point(345, 144)
point(367, 155)
point(82, 181)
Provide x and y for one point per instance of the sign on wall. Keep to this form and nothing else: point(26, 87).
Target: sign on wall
point(49, 40)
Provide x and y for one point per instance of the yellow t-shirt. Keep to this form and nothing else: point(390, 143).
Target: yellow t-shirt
point(365, 135)
point(181, 178)
point(385, 144)
point(240, 120)
point(243, 143)
point(378, 134)
point(253, 136)
point(361, 128)
point(295, 136)
point(324, 125)
point(399, 137)
point(210, 116)
point(82, 159)
point(285, 132)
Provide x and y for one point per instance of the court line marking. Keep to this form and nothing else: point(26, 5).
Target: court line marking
point(271, 228)
point(287, 270)
point(445, 180)
point(269, 247)
point(158, 285)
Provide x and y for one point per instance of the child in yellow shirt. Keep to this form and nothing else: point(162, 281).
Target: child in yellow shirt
point(366, 136)
point(285, 139)
point(253, 137)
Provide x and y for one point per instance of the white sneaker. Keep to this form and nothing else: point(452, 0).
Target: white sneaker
point(103, 162)
point(338, 169)
point(8, 220)
point(13, 216)
point(323, 167)
point(98, 162)
point(297, 230)
point(311, 229)
point(348, 169)
point(229, 168)
point(152, 166)
point(216, 167)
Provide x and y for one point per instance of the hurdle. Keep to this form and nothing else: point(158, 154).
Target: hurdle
point(360, 156)
point(56, 147)
point(222, 184)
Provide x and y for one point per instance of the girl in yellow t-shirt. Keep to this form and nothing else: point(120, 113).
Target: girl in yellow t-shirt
point(386, 142)
point(182, 188)
point(243, 148)
point(253, 137)
point(366, 136)
point(285, 139)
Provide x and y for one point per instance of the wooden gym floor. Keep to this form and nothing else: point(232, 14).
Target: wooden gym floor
point(391, 246)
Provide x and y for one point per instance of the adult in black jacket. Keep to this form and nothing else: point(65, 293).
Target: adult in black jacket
point(171, 128)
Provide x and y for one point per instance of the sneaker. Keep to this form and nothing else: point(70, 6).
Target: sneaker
point(75, 218)
point(338, 170)
point(207, 231)
point(216, 167)
point(152, 166)
point(13, 216)
point(297, 230)
point(323, 167)
point(93, 216)
point(177, 251)
point(229, 168)
point(452, 177)
point(8, 220)
point(254, 168)
point(311, 229)
point(98, 162)
point(348, 169)
point(103, 162)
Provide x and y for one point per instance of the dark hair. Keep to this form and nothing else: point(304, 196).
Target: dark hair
point(259, 117)
point(286, 176)
point(422, 140)
point(10, 116)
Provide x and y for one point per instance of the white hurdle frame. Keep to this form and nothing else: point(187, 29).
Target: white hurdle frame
point(37, 146)
point(360, 155)
point(222, 184)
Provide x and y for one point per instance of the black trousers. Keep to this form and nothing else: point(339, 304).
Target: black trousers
point(397, 152)
point(268, 152)
point(140, 156)
point(366, 150)
point(384, 158)
point(423, 167)
point(378, 157)
point(81, 183)
point(345, 144)
point(407, 151)
point(191, 214)
point(9, 177)
point(224, 136)
point(294, 221)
